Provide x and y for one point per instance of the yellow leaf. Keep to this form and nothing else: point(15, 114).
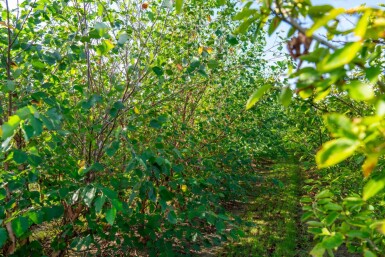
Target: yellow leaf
point(81, 163)
point(1, 132)
point(369, 164)
point(362, 24)
point(184, 188)
point(136, 110)
point(209, 50)
point(6, 25)
point(381, 227)
point(209, 18)
point(179, 66)
point(200, 49)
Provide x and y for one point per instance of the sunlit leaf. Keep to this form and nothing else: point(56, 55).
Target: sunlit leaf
point(254, 98)
point(9, 127)
point(372, 188)
point(273, 25)
point(360, 91)
point(178, 5)
point(336, 151)
point(369, 164)
point(368, 253)
point(285, 97)
point(340, 57)
point(362, 24)
point(324, 20)
point(340, 126)
point(318, 250)
point(333, 241)
point(20, 225)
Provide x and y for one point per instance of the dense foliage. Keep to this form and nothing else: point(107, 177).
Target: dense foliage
point(124, 130)
point(343, 68)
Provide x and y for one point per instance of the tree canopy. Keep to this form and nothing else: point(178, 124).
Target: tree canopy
point(135, 128)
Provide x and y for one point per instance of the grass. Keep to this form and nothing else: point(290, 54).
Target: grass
point(273, 215)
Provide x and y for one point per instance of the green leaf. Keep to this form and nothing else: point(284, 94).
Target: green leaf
point(54, 212)
point(165, 195)
point(171, 217)
point(324, 20)
point(372, 188)
point(158, 71)
point(367, 253)
point(318, 250)
point(3, 236)
point(155, 124)
point(324, 194)
point(340, 126)
point(362, 24)
point(89, 195)
point(358, 234)
point(340, 57)
point(99, 202)
point(274, 25)
point(19, 156)
point(221, 2)
point(178, 5)
point(3, 193)
point(111, 215)
point(245, 25)
point(332, 207)
point(245, 13)
point(11, 85)
point(37, 126)
point(212, 64)
point(20, 225)
point(232, 40)
point(123, 38)
point(254, 98)
point(285, 97)
point(9, 127)
point(372, 74)
point(336, 151)
point(333, 241)
point(104, 47)
point(318, 10)
point(35, 217)
point(360, 91)
point(331, 218)
point(110, 151)
point(24, 112)
point(38, 64)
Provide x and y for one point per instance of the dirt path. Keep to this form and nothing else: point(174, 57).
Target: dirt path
point(273, 213)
